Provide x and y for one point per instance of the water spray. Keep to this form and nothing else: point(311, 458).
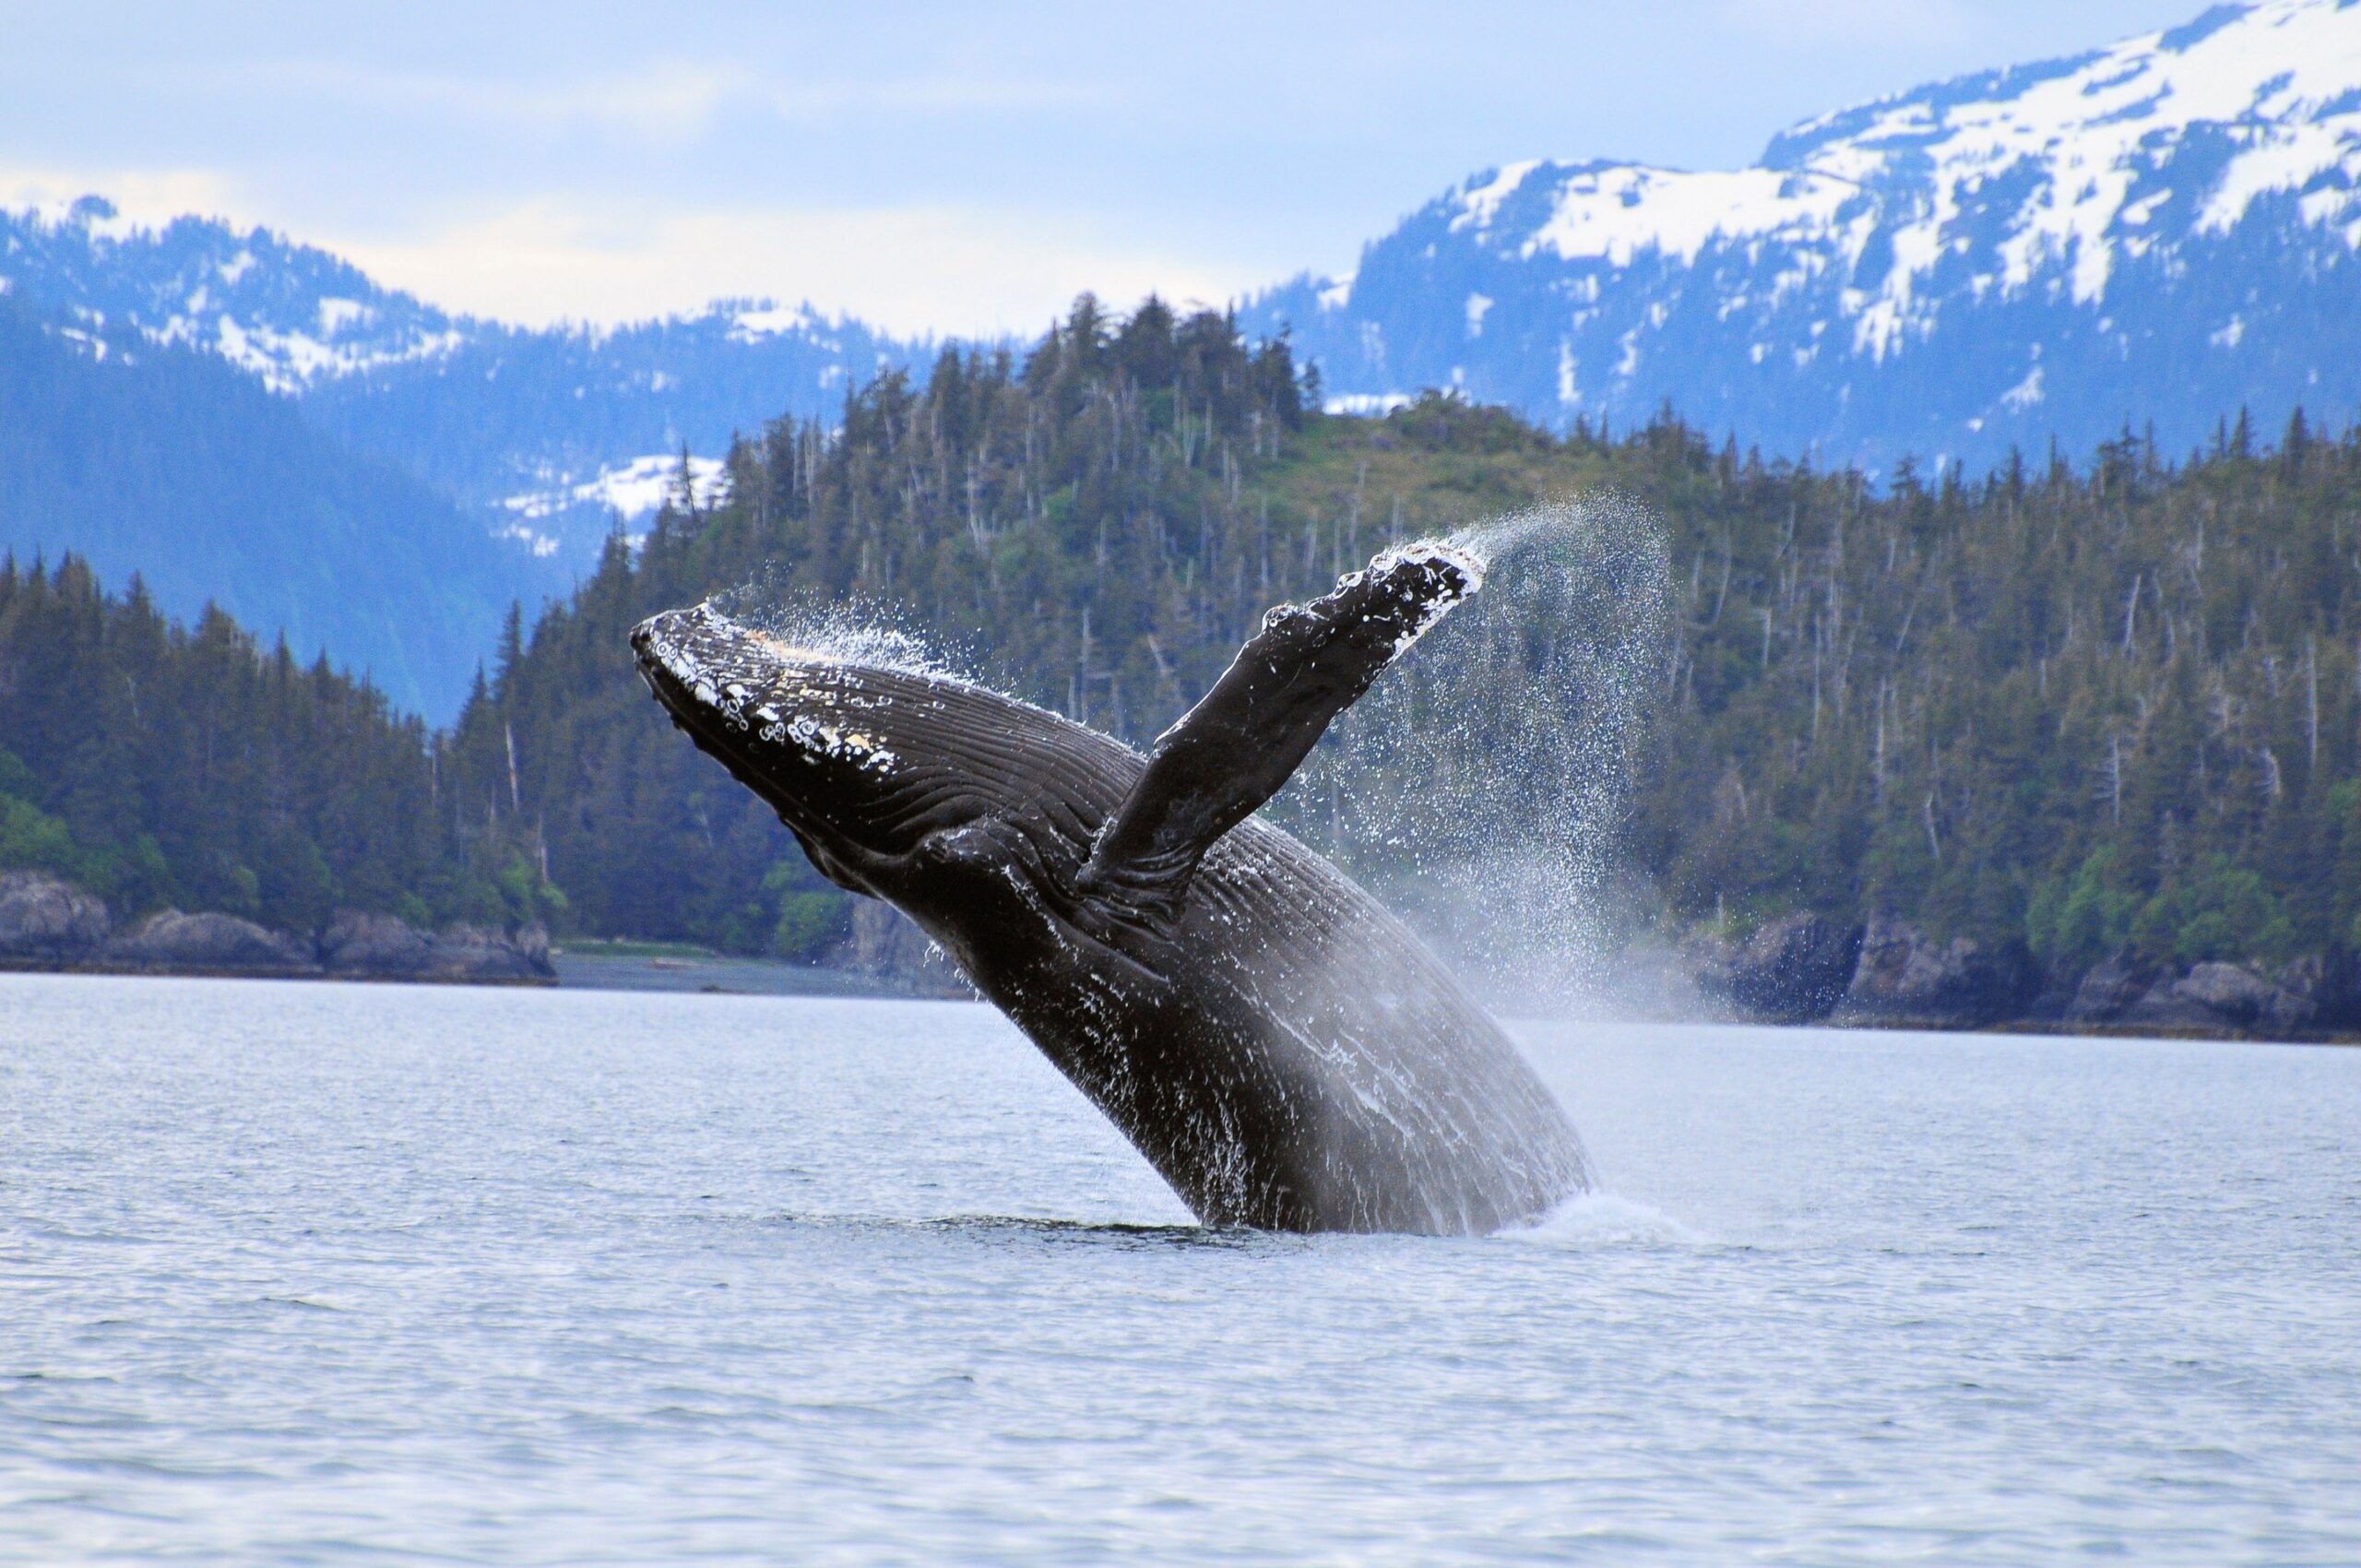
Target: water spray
point(1482, 785)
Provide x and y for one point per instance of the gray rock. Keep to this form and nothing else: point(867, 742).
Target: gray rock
point(366, 947)
point(2227, 998)
point(44, 921)
point(2114, 985)
point(483, 955)
point(1902, 977)
point(171, 943)
point(1792, 971)
point(2332, 989)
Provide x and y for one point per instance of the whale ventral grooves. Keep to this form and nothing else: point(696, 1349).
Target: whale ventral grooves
point(1283, 1051)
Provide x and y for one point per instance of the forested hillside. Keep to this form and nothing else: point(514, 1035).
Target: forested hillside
point(2063, 713)
point(2071, 710)
point(2097, 711)
point(161, 765)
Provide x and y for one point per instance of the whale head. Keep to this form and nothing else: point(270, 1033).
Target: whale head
point(866, 762)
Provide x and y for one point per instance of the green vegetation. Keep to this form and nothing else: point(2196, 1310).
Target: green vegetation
point(159, 764)
point(2092, 712)
point(2082, 711)
point(625, 947)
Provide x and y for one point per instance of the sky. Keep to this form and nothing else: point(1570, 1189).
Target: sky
point(926, 167)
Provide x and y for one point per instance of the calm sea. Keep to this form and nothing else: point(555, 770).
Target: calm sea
point(331, 1273)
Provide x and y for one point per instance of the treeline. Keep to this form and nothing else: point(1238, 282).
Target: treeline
point(2113, 707)
point(2083, 711)
point(161, 765)
point(2111, 711)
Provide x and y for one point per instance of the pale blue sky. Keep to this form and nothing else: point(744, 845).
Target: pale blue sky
point(928, 166)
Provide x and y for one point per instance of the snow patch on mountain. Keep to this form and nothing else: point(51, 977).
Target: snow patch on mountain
point(292, 361)
point(750, 322)
point(630, 490)
point(292, 314)
point(1615, 211)
point(1368, 403)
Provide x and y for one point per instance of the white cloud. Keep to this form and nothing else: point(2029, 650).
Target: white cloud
point(939, 95)
point(151, 197)
point(909, 269)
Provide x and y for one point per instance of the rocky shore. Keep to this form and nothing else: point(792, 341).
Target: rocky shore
point(1801, 969)
point(1805, 968)
point(48, 924)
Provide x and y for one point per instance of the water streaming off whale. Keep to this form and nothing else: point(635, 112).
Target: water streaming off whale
point(1480, 789)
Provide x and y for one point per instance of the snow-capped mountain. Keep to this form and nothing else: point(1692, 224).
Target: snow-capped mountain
point(2167, 229)
point(554, 432)
point(545, 433)
point(290, 314)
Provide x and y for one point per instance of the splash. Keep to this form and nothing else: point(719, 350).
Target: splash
point(847, 631)
point(1595, 1219)
point(1481, 786)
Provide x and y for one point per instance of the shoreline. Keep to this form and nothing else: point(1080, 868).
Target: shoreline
point(712, 975)
point(709, 974)
point(217, 971)
point(718, 974)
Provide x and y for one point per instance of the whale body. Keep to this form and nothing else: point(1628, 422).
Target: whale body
point(1280, 1048)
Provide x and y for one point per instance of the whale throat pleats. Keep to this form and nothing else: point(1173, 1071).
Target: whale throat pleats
point(1247, 736)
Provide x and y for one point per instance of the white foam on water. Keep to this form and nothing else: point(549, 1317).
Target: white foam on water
point(1604, 1220)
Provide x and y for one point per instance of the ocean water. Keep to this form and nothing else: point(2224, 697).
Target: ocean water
point(329, 1273)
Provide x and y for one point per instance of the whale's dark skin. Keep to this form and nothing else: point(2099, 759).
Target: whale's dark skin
point(1282, 1050)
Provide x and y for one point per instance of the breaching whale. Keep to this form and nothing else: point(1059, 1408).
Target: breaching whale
point(1283, 1051)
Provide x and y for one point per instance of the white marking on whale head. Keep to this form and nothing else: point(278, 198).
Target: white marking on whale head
point(746, 677)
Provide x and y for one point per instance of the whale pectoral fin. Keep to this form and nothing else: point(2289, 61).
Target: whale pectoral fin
point(1243, 740)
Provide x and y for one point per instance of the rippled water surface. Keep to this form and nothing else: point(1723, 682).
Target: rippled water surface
point(323, 1273)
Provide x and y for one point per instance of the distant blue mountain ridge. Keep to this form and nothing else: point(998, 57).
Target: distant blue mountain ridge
point(162, 461)
point(549, 432)
point(2155, 234)
point(253, 422)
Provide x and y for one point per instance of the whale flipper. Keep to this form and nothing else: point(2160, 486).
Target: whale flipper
point(1247, 736)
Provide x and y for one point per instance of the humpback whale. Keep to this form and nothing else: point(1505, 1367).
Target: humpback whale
point(1280, 1048)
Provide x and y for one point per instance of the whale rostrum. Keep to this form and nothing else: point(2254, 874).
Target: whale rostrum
point(1281, 1049)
